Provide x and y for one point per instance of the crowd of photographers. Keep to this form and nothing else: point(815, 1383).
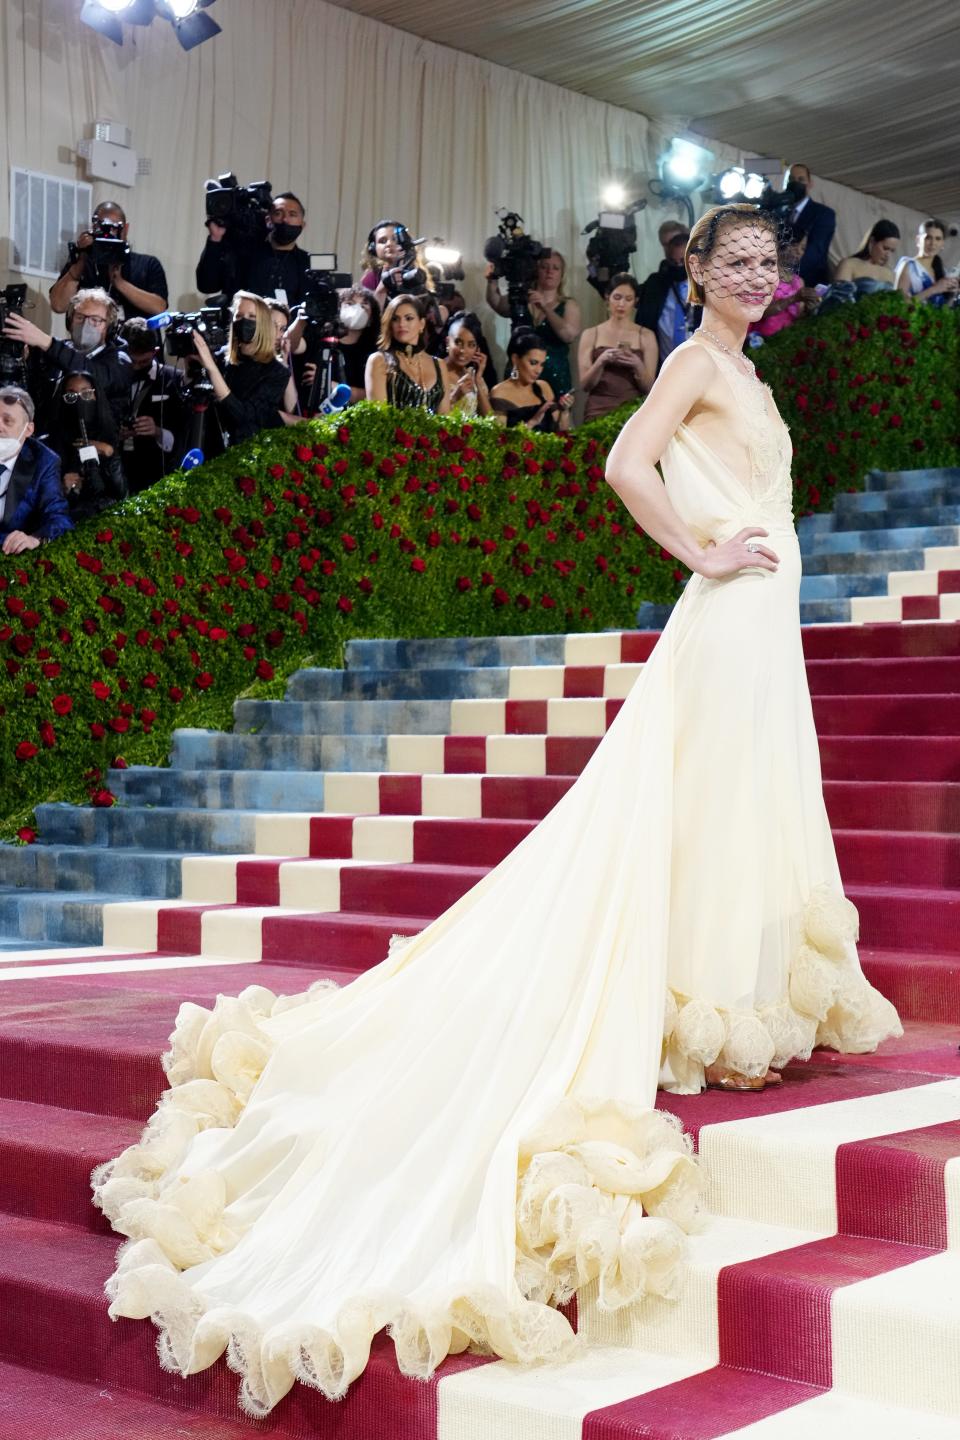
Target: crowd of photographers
point(134, 391)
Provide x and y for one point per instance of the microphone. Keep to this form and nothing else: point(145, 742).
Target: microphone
point(192, 459)
point(157, 322)
point(338, 399)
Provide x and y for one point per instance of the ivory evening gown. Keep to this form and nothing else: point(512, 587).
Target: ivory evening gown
point(455, 1142)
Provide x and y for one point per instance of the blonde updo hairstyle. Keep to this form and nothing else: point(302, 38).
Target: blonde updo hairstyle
point(708, 230)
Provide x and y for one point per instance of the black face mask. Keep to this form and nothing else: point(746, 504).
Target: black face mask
point(798, 189)
point(244, 330)
point(285, 234)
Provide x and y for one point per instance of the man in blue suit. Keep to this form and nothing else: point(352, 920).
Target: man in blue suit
point(817, 222)
point(32, 503)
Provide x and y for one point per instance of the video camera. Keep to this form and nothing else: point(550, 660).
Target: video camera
point(515, 257)
point(613, 239)
point(321, 301)
point(242, 210)
point(407, 276)
point(212, 322)
point(781, 203)
point(109, 246)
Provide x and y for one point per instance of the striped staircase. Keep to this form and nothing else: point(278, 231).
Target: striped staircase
point(823, 1294)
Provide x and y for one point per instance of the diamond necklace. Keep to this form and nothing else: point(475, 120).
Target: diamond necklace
point(734, 354)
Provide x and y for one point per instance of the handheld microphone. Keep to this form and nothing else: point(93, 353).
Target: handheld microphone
point(157, 322)
point(338, 399)
point(192, 459)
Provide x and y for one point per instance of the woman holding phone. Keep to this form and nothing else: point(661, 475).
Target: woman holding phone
point(525, 398)
point(617, 359)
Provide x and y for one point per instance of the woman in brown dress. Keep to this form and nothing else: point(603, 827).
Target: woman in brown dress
point(618, 359)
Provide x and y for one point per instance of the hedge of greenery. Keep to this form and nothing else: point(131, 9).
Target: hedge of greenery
point(224, 581)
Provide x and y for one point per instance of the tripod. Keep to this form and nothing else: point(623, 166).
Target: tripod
point(325, 351)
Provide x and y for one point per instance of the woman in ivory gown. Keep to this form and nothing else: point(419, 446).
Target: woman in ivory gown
point(463, 1137)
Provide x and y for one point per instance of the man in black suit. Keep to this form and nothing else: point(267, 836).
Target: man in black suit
point(154, 422)
point(32, 503)
point(817, 222)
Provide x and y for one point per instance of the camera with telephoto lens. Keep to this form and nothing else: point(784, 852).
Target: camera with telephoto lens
point(212, 322)
point(613, 239)
point(320, 305)
point(243, 210)
point(12, 300)
point(515, 256)
point(109, 247)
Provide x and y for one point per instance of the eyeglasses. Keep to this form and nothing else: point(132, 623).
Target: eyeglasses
point(97, 320)
point(74, 397)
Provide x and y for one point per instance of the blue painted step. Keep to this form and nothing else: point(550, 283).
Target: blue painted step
point(451, 651)
point(911, 479)
point(914, 517)
point(885, 538)
point(343, 717)
point(220, 789)
point(841, 586)
point(55, 867)
point(213, 750)
point(420, 683)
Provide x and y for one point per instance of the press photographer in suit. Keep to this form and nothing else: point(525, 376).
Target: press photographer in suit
point(32, 504)
point(817, 222)
point(153, 425)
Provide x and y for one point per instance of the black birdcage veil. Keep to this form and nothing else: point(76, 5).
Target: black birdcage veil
point(738, 250)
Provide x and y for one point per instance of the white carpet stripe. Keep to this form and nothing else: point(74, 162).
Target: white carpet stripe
point(896, 1337)
point(689, 1323)
point(843, 1417)
point(507, 1402)
point(125, 967)
point(951, 1180)
point(55, 952)
point(780, 1168)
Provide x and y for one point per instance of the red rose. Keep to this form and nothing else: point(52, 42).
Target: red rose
point(175, 693)
point(26, 750)
point(149, 681)
point(62, 704)
point(896, 421)
point(147, 717)
point(120, 724)
point(387, 468)
point(97, 730)
point(100, 689)
point(500, 597)
point(464, 583)
point(204, 680)
point(349, 542)
point(418, 565)
point(265, 670)
point(59, 606)
point(48, 735)
point(22, 644)
point(218, 633)
point(343, 434)
point(547, 603)
point(26, 835)
point(345, 604)
point(304, 452)
point(118, 763)
point(30, 689)
point(102, 798)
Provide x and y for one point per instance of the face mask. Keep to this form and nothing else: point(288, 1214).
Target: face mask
point(798, 189)
point(285, 234)
point(244, 330)
point(86, 335)
point(10, 446)
point(354, 316)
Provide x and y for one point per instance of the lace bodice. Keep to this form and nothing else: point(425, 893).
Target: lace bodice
point(768, 436)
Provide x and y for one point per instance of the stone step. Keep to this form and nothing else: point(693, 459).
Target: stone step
point(220, 789)
point(441, 652)
point(916, 516)
point(840, 586)
point(213, 750)
point(483, 681)
point(73, 868)
point(147, 828)
point(343, 717)
point(862, 561)
point(905, 537)
point(911, 479)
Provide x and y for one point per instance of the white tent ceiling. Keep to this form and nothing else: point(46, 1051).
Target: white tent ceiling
point(866, 94)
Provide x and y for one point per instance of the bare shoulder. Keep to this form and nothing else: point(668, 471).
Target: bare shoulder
point(689, 363)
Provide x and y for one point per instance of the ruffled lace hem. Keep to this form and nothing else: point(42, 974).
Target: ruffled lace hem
point(828, 1003)
point(604, 1193)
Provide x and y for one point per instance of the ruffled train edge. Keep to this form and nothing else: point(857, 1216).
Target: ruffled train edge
point(829, 1003)
point(604, 1193)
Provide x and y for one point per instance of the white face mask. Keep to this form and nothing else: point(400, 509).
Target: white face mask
point(354, 316)
point(10, 445)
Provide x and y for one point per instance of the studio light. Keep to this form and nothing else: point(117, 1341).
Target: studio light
point(190, 24)
point(734, 185)
point(731, 183)
point(683, 168)
point(440, 254)
point(614, 196)
point(754, 187)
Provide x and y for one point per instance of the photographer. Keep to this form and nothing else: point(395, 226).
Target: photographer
point(32, 507)
point(154, 421)
point(618, 359)
point(136, 283)
point(93, 323)
point(554, 316)
point(249, 390)
point(273, 267)
point(400, 372)
point(84, 436)
point(389, 252)
point(360, 319)
point(525, 398)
